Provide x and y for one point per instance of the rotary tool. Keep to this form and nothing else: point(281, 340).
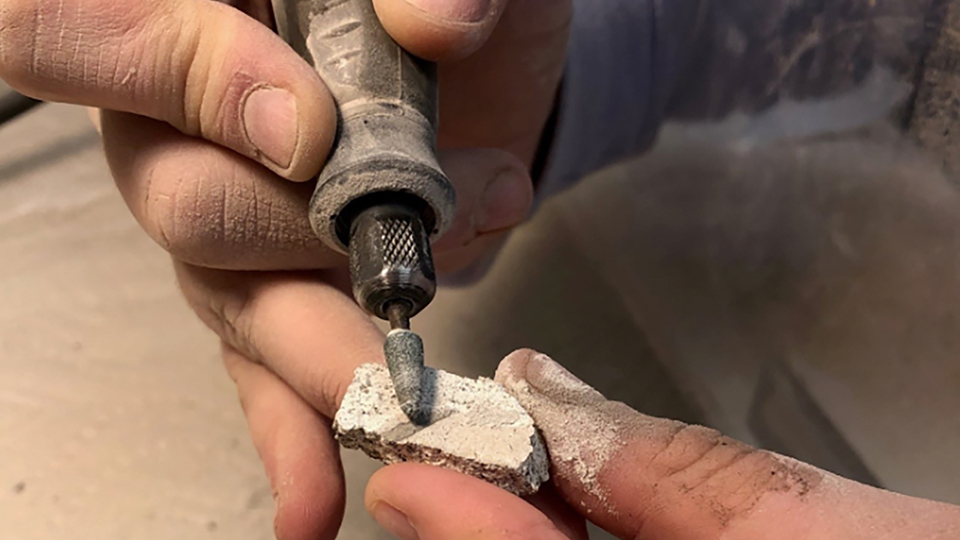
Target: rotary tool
point(381, 198)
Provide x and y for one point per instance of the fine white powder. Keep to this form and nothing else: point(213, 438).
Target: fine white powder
point(583, 435)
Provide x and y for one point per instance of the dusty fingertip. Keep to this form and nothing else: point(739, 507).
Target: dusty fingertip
point(439, 30)
point(535, 377)
point(511, 372)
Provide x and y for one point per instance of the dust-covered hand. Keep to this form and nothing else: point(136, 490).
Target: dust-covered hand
point(642, 477)
point(206, 113)
point(211, 124)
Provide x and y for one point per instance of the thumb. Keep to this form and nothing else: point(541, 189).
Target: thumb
point(415, 501)
point(643, 477)
point(440, 29)
point(203, 67)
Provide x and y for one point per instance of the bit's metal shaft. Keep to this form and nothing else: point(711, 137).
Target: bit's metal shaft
point(398, 313)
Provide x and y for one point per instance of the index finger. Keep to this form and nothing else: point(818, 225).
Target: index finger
point(300, 325)
point(201, 66)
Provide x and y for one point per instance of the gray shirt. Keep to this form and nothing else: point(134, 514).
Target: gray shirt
point(632, 64)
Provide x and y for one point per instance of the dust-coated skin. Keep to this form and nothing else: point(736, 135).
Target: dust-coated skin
point(649, 478)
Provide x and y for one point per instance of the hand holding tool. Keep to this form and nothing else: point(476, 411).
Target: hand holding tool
point(381, 197)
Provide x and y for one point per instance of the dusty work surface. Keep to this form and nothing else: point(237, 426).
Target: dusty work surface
point(117, 421)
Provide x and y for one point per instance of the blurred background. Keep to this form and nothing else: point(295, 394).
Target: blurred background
point(792, 279)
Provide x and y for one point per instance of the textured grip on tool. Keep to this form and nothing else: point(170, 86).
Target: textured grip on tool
point(387, 105)
point(400, 245)
point(390, 260)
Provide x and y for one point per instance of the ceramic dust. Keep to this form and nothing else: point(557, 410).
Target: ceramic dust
point(584, 430)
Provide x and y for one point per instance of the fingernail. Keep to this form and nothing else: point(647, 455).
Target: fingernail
point(394, 522)
point(557, 383)
point(271, 124)
point(464, 11)
point(505, 202)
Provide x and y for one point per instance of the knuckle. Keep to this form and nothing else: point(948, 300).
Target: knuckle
point(218, 213)
point(156, 211)
point(191, 223)
point(231, 316)
point(153, 66)
point(685, 448)
point(193, 60)
point(699, 455)
point(223, 304)
point(185, 212)
point(735, 487)
point(727, 479)
point(214, 84)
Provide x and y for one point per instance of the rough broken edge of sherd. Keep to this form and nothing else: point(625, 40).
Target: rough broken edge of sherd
point(523, 481)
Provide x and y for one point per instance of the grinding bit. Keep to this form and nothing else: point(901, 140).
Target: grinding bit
point(404, 352)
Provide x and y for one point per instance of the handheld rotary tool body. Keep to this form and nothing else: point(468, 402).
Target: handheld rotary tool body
point(382, 197)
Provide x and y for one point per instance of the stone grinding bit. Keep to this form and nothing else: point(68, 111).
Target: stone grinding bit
point(404, 352)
